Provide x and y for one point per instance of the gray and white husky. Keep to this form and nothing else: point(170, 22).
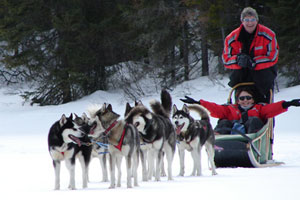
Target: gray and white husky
point(144, 147)
point(65, 140)
point(123, 141)
point(157, 131)
point(192, 135)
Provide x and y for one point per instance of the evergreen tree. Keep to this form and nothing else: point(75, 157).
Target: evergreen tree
point(287, 22)
point(158, 27)
point(69, 49)
point(66, 47)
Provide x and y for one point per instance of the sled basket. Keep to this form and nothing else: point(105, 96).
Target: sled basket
point(252, 150)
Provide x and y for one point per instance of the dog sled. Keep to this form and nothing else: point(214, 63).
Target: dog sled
point(246, 150)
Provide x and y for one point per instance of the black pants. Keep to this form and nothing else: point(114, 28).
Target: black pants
point(252, 125)
point(263, 80)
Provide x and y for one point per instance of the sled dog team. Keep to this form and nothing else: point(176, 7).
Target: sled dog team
point(143, 134)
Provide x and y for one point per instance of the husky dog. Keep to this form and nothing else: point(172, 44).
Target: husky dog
point(144, 147)
point(64, 144)
point(123, 141)
point(156, 130)
point(192, 135)
point(99, 145)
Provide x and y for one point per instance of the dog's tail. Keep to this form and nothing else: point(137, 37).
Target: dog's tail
point(203, 112)
point(166, 101)
point(93, 109)
point(157, 108)
point(164, 108)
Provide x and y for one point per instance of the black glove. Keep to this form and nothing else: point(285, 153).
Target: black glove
point(294, 102)
point(189, 100)
point(245, 61)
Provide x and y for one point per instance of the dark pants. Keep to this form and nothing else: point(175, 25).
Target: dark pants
point(263, 80)
point(252, 125)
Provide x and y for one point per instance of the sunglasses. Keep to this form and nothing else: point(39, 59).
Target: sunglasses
point(242, 98)
point(249, 20)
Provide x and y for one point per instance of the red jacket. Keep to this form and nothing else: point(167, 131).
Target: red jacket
point(232, 112)
point(265, 46)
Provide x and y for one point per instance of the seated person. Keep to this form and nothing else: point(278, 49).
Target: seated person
point(244, 111)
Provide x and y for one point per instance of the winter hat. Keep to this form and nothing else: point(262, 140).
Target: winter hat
point(248, 11)
point(248, 89)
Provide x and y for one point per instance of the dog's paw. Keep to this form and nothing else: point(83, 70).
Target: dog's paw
point(72, 188)
point(163, 173)
point(112, 187)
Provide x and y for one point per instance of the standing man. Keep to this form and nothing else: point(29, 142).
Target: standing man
point(251, 52)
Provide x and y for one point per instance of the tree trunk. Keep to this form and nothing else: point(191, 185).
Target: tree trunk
point(204, 53)
point(185, 51)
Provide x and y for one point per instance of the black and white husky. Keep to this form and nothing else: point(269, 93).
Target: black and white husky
point(192, 135)
point(65, 144)
point(100, 145)
point(157, 131)
point(123, 141)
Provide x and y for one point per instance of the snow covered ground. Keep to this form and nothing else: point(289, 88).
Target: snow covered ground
point(26, 168)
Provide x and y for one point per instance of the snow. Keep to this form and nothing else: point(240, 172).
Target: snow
point(26, 167)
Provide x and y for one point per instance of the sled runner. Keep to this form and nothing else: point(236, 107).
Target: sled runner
point(246, 150)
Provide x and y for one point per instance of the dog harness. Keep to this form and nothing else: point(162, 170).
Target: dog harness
point(189, 139)
point(119, 146)
point(110, 127)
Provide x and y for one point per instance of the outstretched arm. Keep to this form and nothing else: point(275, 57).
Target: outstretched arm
point(189, 100)
point(294, 102)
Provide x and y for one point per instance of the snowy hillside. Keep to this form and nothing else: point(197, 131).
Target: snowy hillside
point(26, 168)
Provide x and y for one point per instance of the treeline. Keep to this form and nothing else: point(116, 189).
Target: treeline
point(68, 49)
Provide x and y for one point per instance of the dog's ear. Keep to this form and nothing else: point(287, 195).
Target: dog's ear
point(85, 117)
point(63, 120)
point(185, 109)
point(109, 107)
point(127, 109)
point(174, 109)
point(138, 103)
point(102, 109)
point(71, 116)
point(78, 120)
